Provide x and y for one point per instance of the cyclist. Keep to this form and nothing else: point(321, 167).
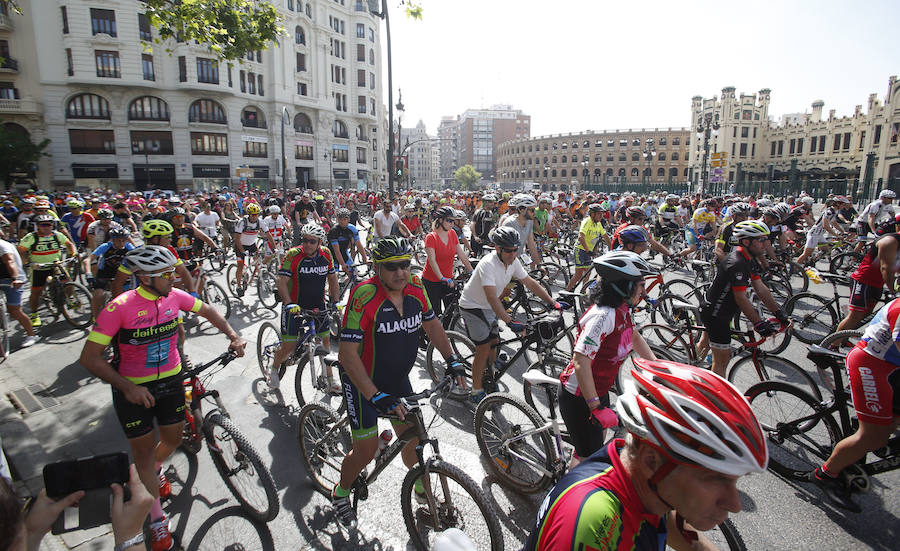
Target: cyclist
point(386, 223)
point(727, 294)
point(827, 222)
point(183, 235)
point(77, 221)
point(875, 212)
point(411, 220)
point(667, 214)
point(874, 373)
point(480, 305)
point(877, 270)
point(634, 216)
point(154, 232)
point(344, 241)
point(41, 248)
point(605, 338)
point(301, 286)
point(702, 226)
point(246, 231)
point(589, 234)
point(542, 216)
point(442, 248)
point(521, 218)
point(483, 222)
point(674, 475)
point(12, 278)
point(275, 225)
point(208, 221)
point(141, 325)
point(105, 262)
point(738, 213)
point(379, 345)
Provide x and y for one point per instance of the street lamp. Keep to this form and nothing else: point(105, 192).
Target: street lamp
point(383, 14)
point(147, 162)
point(284, 113)
point(649, 153)
point(400, 109)
point(584, 174)
point(331, 169)
point(546, 179)
point(706, 125)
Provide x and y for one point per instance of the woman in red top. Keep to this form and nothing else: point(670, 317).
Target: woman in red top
point(410, 220)
point(442, 247)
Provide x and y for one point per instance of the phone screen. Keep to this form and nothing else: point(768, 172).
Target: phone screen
point(64, 477)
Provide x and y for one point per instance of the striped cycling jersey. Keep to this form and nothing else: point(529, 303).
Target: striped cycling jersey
point(596, 508)
point(883, 333)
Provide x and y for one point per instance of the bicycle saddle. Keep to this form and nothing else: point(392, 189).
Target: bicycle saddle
point(570, 294)
point(535, 377)
point(816, 350)
point(700, 263)
point(681, 305)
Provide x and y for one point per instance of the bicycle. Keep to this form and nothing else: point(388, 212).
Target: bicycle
point(211, 292)
point(251, 270)
point(324, 440)
point(63, 296)
point(312, 386)
point(802, 431)
point(267, 282)
point(236, 460)
point(4, 325)
point(814, 316)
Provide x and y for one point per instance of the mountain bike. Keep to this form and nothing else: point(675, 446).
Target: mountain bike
point(267, 282)
point(237, 462)
point(815, 316)
point(451, 498)
point(63, 296)
point(211, 292)
point(252, 267)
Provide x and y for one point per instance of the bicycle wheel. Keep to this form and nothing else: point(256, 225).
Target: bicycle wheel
point(76, 305)
point(324, 440)
point(231, 280)
point(215, 296)
point(554, 274)
point(814, 317)
point(743, 373)
point(839, 340)
point(844, 263)
point(796, 275)
point(312, 384)
point(266, 287)
point(537, 398)
point(454, 501)
point(218, 259)
point(268, 340)
point(726, 536)
point(684, 289)
point(663, 336)
point(434, 362)
point(241, 468)
point(800, 435)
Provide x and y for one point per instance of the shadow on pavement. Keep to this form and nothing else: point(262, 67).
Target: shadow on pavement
point(61, 332)
point(69, 379)
point(230, 528)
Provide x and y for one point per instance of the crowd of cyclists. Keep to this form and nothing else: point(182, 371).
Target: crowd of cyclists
point(690, 434)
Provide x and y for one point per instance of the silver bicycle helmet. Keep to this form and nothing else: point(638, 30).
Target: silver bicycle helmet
point(151, 259)
point(314, 230)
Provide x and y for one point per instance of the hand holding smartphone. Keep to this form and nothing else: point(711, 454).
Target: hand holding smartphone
point(91, 476)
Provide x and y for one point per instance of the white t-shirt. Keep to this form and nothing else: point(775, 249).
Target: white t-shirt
point(274, 226)
point(207, 220)
point(384, 223)
point(7, 248)
point(879, 210)
point(490, 271)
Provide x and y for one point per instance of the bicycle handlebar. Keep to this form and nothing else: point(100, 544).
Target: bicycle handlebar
point(223, 359)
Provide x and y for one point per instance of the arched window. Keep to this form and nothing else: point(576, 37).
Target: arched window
point(554, 158)
point(636, 142)
point(564, 158)
point(662, 156)
point(340, 129)
point(675, 156)
point(673, 172)
point(621, 172)
point(87, 106)
point(553, 173)
point(299, 35)
point(562, 173)
point(609, 172)
point(148, 108)
point(622, 158)
point(371, 56)
point(661, 172)
point(634, 172)
point(251, 117)
point(586, 144)
point(207, 110)
point(565, 145)
point(302, 124)
point(635, 157)
point(574, 145)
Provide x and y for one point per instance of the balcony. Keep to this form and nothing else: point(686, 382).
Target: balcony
point(24, 106)
point(252, 123)
point(6, 22)
point(9, 65)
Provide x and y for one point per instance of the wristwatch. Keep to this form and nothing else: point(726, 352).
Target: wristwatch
point(129, 542)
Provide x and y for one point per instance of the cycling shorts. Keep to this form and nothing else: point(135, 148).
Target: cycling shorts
point(719, 330)
point(291, 325)
point(690, 236)
point(862, 230)
point(13, 294)
point(362, 414)
point(481, 325)
point(814, 238)
point(136, 420)
point(583, 258)
point(39, 277)
point(248, 249)
point(875, 386)
point(863, 298)
point(575, 412)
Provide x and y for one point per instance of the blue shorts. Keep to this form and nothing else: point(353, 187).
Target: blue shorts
point(13, 295)
point(583, 258)
point(362, 414)
point(690, 237)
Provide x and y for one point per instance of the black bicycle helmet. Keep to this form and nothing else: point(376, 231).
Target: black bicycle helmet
point(118, 232)
point(506, 237)
point(391, 248)
point(445, 213)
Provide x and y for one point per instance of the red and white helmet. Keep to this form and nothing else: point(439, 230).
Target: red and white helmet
point(692, 416)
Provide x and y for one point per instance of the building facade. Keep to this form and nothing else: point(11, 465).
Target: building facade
point(420, 157)
point(800, 146)
point(474, 137)
point(125, 113)
point(572, 161)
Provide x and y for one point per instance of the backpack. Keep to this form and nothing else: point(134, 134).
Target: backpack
point(36, 238)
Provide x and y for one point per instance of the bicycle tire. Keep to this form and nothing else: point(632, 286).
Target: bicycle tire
point(215, 296)
point(742, 373)
point(463, 347)
point(726, 536)
point(792, 269)
point(4, 332)
point(554, 274)
point(268, 339)
point(247, 460)
point(844, 263)
point(231, 282)
point(309, 391)
point(480, 523)
point(218, 260)
point(663, 336)
point(849, 335)
point(322, 458)
point(552, 367)
point(794, 448)
point(683, 288)
point(76, 305)
point(814, 317)
point(266, 288)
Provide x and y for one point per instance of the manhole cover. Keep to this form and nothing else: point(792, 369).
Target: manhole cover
point(31, 399)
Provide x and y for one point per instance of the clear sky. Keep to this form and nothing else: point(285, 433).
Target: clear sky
point(577, 65)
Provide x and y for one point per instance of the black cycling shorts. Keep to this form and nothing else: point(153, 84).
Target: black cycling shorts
point(863, 298)
point(574, 410)
point(248, 249)
point(362, 414)
point(718, 329)
point(136, 420)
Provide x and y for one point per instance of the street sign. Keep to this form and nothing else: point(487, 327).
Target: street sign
point(243, 172)
point(717, 163)
point(719, 155)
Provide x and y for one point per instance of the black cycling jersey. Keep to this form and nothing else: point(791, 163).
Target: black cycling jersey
point(484, 221)
point(733, 276)
point(344, 238)
point(724, 236)
point(793, 218)
point(183, 241)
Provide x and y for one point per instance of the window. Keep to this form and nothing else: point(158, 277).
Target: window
point(753, 150)
point(812, 146)
point(182, 69)
point(230, 84)
point(107, 64)
point(371, 34)
point(372, 81)
point(144, 27)
point(207, 110)
point(103, 21)
point(302, 124)
point(564, 159)
point(70, 67)
point(372, 106)
point(862, 139)
point(151, 142)
point(98, 142)
point(361, 53)
point(259, 85)
point(359, 5)
point(65, 20)
point(743, 150)
point(361, 104)
point(148, 108)
point(799, 146)
point(252, 118)
point(662, 141)
point(562, 173)
point(360, 30)
point(745, 131)
point(340, 155)
point(290, 4)
point(877, 138)
point(251, 83)
point(301, 88)
point(675, 155)
point(361, 155)
point(622, 158)
point(207, 70)
point(256, 149)
point(299, 35)
point(821, 144)
point(780, 148)
point(895, 132)
point(8, 91)
point(775, 145)
point(371, 56)
point(792, 146)
point(301, 62)
point(846, 141)
point(243, 79)
point(205, 143)
point(147, 66)
point(303, 152)
point(635, 157)
point(361, 78)
point(340, 130)
point(661, 156)
point(308, 10)
point(837, 142)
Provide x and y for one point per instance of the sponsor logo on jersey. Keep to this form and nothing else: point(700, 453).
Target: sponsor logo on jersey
point(410, 325)
point(870, 390)
point(142, 313)
point(312, 270)
point(361, 296)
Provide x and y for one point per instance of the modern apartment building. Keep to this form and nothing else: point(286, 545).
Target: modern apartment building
point(474, 137)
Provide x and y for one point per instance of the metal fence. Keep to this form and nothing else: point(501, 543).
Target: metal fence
point(860, 191)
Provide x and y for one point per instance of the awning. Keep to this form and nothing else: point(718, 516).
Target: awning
point(95, 171)
point(212, 171)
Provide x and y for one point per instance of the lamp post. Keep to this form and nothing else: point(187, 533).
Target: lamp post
point(546, 179)
point(708, 124)
point(330, 169)
point(584, 174)
point(649, 153)
point(284, 114)
point(147, 162)
point(400, 149)
point(383, 14)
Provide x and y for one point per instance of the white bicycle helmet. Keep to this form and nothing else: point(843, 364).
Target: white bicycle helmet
point(764, 203)
point(619, 265)
point(274, 209)
point(783, 209)
point(808, 200)
point(749, 229)
point(887, 194)
point(740, 209)
point(692, 416)
point(314, 230)
point(489, 197)
point(150, 259)
point(521, 200)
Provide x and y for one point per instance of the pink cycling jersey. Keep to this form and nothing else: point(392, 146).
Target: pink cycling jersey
point(145, 329)
point(604, 336)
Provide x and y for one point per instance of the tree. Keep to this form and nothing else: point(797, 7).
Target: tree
point(467, 177)
point(17, 152)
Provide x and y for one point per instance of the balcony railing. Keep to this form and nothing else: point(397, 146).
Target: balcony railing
point(10, 64)
point(19, 106)
point(253, 123)
point(303, 129)
point(6, 22)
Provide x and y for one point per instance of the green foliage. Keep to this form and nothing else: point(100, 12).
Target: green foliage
point(229, 28)
point(18, 152)
point(413, 9)
point(467, 177)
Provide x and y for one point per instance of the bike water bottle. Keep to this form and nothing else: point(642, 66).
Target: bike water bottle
point(383, 440)
point(813, 275)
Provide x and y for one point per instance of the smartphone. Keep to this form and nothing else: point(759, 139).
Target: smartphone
point(64, 477)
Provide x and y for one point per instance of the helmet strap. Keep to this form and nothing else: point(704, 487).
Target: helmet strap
point(627, 292)
point(653, 482)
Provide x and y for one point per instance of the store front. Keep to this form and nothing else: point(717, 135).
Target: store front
point(210, 177)
point(96, 176)
point(153, 177)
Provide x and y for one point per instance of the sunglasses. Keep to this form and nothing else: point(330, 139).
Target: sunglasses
point(394, 266)
point(311, 241)
point(504, 249)
point(45, 225)
point(168, 274)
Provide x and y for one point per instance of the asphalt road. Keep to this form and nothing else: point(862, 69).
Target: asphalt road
point(776, 514)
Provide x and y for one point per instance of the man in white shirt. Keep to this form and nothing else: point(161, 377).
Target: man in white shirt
point(385, 222)
point(275, 225)
point(12, 278)
point(208, 221)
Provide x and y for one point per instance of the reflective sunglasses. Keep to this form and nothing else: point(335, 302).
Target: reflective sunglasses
point(168, 274)
point(394, 266)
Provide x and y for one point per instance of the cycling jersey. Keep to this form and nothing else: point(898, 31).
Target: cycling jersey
point(274, 226)
point(344, 238)
point(829, 214)
point(143, 328)
point(882, 212)
point(792, 220)
point(604, 336)
point(733, 276)
point(248, 229)
point(44, 249)
point(78, 226)
point(412, 223)
point(883, 332)
point(541, 218)
point(869, 270)
point(183, 241)
point(592, 231)
point(668, 212)
point(101, 234)
point(595, 507)
point(109, 259)
point(724, 236)
point(703, 220)
point(307, 276)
